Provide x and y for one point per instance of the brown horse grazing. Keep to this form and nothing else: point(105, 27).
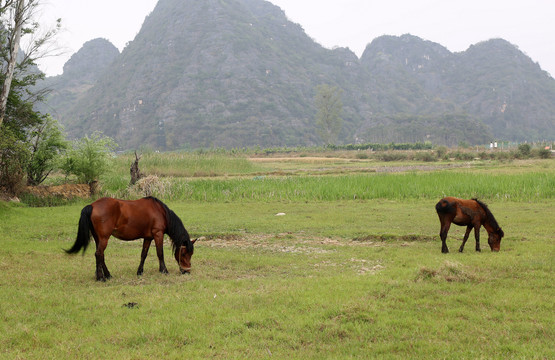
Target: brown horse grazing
point(472, 214)
point(146, 218)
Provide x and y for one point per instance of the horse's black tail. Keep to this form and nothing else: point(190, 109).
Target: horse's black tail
point(84, 231)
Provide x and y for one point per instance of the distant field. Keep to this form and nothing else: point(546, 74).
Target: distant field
point(336, 276)
point(312, 179)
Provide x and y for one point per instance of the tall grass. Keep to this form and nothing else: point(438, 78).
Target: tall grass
point(514, 187)
point(187, 164)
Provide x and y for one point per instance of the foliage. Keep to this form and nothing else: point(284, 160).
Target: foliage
point(383, 147)
point(20, 113)
point(19, 120)
point(544, 153)
point(14, 154)
point(89, 158)
point(524, 150)
point(47, 143)
point(328, 116)
point(19, 26)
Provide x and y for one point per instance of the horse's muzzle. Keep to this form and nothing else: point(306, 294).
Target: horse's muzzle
point(185, 271)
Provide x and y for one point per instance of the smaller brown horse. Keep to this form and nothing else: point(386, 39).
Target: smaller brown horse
point(472, 214)
point(146, 218)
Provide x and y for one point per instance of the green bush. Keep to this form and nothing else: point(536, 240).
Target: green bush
point(463, 155)
point(524, 150)
point(425, 156)
point(441, 151)
point(544, 153)
point(392, 156)
point(13, 157)
point(89, 158)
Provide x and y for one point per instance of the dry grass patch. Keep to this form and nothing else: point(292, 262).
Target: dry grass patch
point(450, 271)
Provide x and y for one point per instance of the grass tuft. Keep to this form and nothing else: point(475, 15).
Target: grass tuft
point(450, 271)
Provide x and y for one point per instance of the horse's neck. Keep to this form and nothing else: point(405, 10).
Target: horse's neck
point(487, 225)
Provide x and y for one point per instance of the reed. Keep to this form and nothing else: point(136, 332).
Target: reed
point(187, 164)
point(427, 185)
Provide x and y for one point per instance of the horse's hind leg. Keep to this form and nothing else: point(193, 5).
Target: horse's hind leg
point(466, 234)
point(477, 236)
point(445, 225)
point(159, 241)
point(102, 272)
point(144, 253)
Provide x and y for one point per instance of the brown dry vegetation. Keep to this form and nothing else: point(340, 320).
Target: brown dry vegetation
point(67, 191)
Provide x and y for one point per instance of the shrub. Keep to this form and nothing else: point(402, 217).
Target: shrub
point(425, 156)
point(89, 158)
point(463, 155)
point(544, 153)
point(13, 157)
point(524, 150)
point(392, 156)
point(441, 151)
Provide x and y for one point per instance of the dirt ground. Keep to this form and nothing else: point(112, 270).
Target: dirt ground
point(68, 191)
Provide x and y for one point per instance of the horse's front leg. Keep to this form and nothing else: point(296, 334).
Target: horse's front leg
point(466, 234)
point(159, 241)
point(477, 236)
point(144, 253)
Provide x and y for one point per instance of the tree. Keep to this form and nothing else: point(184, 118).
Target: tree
point(47, 142)
point(328, 116)
point(13, 52)
point(17, 26)
point(18, 74)
point(14, 154)
point(89, 158)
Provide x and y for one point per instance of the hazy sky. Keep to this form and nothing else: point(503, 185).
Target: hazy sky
point(455, 24)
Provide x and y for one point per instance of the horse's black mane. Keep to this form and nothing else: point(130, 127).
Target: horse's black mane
point(174, 228)
point(489, 216)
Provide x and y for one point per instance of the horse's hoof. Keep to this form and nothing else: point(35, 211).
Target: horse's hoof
point(460, 250)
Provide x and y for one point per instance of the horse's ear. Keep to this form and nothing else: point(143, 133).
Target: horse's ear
point(193, 241)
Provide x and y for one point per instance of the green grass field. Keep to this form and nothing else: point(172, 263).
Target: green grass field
point(337, 276)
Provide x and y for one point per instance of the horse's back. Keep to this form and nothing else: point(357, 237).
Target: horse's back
point(460, 211)
point(127, 219)
point(450, 203)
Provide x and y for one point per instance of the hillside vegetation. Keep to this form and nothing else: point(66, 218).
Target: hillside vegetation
point(239, 73)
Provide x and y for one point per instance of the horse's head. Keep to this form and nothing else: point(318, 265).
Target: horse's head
point(183, 257)
point(494, 239)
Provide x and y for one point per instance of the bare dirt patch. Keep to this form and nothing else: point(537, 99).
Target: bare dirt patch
point(67, 191)
point(264, 242)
